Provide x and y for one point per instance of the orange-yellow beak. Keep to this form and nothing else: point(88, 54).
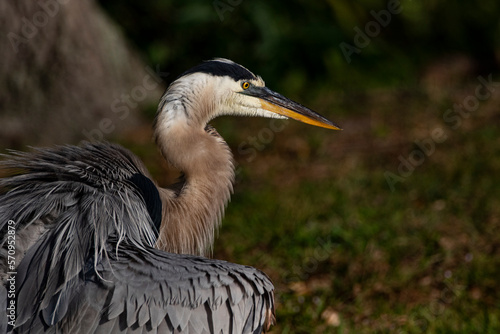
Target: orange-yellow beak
point(278, 104)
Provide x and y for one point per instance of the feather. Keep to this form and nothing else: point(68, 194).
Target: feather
point(88, 223)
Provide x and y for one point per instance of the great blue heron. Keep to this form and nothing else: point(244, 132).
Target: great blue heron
point(95, 246)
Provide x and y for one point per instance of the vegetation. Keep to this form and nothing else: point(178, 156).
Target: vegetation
point(347, 252)
point(296, 44)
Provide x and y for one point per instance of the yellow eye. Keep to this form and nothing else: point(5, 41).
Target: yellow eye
point(245, 85)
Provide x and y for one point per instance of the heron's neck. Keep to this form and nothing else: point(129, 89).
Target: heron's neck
point(193, 210)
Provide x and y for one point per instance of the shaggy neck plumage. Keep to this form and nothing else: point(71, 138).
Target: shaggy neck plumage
point(193, 209)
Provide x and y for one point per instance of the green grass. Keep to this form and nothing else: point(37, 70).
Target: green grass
point(348, 255)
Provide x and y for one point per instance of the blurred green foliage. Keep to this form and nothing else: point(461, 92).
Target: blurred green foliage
point(295, 44)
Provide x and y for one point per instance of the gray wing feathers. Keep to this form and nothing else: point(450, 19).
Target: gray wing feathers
point(90, 266)
point(79, 189)
point(144, 292)
point(197, 299)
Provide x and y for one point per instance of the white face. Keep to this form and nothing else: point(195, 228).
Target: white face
point(206, 97)
point(230, 101)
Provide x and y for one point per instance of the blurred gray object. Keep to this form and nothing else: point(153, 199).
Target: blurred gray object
point(67, 74)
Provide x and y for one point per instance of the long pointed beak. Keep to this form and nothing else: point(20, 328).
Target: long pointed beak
point(281, 105)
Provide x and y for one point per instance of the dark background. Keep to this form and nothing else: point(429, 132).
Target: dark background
point(296, 43)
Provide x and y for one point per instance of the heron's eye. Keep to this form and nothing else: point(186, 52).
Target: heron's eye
point(245, 85)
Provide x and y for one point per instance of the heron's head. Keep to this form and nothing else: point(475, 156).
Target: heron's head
point(222, 87)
